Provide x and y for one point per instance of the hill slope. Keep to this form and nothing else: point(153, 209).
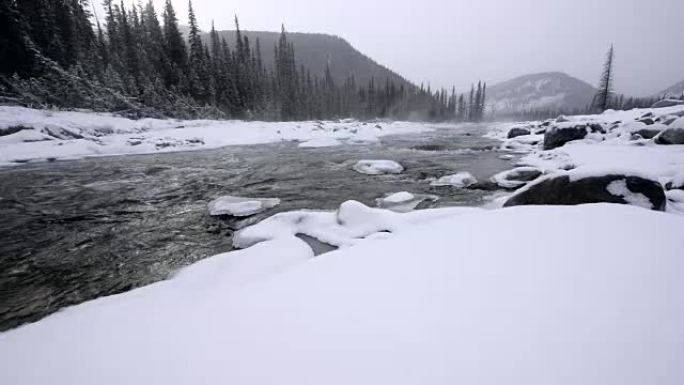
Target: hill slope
point(539, 91)
point(676, 90)
point(314, 50)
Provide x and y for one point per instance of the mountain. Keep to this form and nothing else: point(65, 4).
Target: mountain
point(315, 50)
point(549, 90)
point(676, 90)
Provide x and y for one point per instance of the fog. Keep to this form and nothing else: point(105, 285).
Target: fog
point(453, 42)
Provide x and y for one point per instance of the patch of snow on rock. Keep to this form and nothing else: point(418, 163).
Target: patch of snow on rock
point(619, 188)
point(461, 179)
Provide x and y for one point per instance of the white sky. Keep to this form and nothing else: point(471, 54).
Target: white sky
point(447, 42)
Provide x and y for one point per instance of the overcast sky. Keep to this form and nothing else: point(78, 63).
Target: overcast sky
point(454, 42)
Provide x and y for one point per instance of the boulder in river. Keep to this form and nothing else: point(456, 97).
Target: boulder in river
point(579, 187)
point(240, 206)
point(516, 177)
point(461, 179)
point(517, 131)
point(377, 167)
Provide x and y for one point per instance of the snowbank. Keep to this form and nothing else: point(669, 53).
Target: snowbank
point(456, 300)
point(72, 134)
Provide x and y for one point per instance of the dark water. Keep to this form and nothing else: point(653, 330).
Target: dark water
point(76, 230)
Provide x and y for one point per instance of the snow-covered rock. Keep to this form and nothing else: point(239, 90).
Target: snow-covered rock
point(455, 300)
point(592, 186)
point(511, 179)
point(376, 167)
point(563, 133)
point(403, 201)
point(240, 206)
point(461, 179)
point(518, 131)
point(672, 135)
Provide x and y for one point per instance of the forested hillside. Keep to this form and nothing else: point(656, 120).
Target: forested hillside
point(132, 62)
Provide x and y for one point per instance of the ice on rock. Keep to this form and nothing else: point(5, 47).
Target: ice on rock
point(240, 206)
point(399, 197)
point(377, 167)
point(461, 179)
point(516, 177)
point(403, 202)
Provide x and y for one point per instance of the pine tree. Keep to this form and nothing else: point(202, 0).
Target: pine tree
point(602, 99)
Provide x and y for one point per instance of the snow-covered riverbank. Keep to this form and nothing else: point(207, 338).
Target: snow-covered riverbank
point(40, 135)
point(588, 294)
point(488, 297)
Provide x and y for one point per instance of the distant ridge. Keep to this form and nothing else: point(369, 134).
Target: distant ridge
point(676, 90)
point(548, 90)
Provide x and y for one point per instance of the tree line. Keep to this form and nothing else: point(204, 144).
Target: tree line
point(138, 62)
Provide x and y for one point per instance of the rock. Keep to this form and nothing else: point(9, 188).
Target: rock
point(561, 119)
point(461, 179)
point(516, 177)
point(670, 136)
point(517, 131)
point(647, 121)
point(667, 103)
point(403, 201)
point(429, 147)
point(557, 136)
point(484, 186)
point(573, 189)
point(645, 133)
point(377, 167)
point(240, 206)
point(677, 183)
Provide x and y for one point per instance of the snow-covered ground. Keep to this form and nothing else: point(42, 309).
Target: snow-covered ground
point(524, 295)
point(67, 134)
point(588, 294)
point(615, 149)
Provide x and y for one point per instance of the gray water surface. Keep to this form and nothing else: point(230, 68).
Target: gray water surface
point(72, 231)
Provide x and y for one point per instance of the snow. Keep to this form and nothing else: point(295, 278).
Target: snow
point(399, 197)
point(619, 188)
point(460, 179)
point(78, 134)
point(376, 167)
point(347, 226)
point(613, 150)
point(320, 142)
point(241, 206)
point(403, 201)
point(505, 296)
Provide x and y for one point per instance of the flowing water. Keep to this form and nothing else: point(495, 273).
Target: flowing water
point(76, 230)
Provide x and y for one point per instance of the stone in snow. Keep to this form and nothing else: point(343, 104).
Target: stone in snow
point(377, 167)
point(240, 206)
point(517, 131)
point(673, 135)
point(461, 180)
point(575, 187)
point(516, 177)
